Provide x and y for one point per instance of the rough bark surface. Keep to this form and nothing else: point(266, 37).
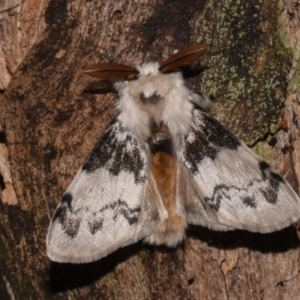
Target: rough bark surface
point(49, 123)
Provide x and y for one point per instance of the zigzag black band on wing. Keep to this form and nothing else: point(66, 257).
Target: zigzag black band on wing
point(71, 220)
point(63, 216)
point(222, 191)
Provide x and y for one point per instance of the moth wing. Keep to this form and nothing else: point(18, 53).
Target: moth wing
point(227, 186)
point(109, 203)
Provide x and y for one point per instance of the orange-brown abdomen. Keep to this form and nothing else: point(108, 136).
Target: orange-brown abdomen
point(163, 165)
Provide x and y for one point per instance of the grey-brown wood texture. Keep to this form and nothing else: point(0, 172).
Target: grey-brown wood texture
point(49, 123)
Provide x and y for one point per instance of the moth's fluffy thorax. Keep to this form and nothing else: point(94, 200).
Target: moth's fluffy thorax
point(155, 97)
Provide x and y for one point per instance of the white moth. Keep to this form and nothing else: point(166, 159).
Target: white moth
point(161, 164)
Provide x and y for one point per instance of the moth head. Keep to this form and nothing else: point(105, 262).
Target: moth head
point(120, 72)
point(147, 69)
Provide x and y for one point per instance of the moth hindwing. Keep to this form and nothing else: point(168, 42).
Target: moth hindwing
point(162, 164)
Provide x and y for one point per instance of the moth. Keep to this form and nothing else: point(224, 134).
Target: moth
point(164, 163)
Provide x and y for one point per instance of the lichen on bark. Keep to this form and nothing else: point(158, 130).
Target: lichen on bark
point(248, 64)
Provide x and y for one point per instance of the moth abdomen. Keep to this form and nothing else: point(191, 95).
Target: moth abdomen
point(163, 166)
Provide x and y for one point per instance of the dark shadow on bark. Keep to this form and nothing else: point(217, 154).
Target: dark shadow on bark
point(66, 276)
point(274, 242)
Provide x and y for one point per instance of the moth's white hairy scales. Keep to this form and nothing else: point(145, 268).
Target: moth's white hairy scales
point(174, 111)
point(116, 199)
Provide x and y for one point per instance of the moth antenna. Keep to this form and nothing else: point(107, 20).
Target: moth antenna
point(111, 70)
point(183, 57)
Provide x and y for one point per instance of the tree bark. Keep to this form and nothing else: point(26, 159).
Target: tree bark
point(50, 120)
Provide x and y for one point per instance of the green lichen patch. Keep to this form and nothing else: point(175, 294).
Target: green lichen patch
point(248, 62)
